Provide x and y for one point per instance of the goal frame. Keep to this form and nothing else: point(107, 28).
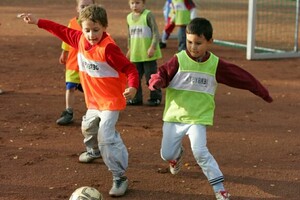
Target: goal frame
point(266, 52)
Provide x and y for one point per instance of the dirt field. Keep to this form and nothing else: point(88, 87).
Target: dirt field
point(255, 143)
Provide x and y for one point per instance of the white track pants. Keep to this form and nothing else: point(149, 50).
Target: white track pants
point(98, 129)
point(173, 134)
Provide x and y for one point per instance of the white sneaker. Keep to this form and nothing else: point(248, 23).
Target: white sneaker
point(175, 165)
point(119, 187)
point(222, 195)
point(87, 157)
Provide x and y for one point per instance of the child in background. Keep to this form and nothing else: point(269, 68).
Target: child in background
point(68, 57)
point(143, 48)
point(191, 79)
point(178, 13)
point(103, 70)
point(167, 11)
point(169, 14)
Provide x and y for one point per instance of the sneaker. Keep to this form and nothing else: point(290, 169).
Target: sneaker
point(65, 118)
point(222, 195)
point(153, 102)
point(134, 102)
point(119, 187)
point(162, 45)
point(175, 165)
point(87, 157)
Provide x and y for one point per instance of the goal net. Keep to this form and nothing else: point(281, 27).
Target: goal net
point(265, 28)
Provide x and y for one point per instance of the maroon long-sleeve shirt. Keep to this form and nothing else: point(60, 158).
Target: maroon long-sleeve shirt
point(227, 73)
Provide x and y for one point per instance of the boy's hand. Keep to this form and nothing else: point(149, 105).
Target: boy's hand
point(129, 93)
point(63, 57)
point(28, 18)
point(155, 82)
point(151, 52)
point(268, 99)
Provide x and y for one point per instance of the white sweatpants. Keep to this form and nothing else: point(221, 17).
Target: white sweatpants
point(173, 134)
point(99, 131)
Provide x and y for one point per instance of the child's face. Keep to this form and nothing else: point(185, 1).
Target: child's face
point(82, 4)
point(197, 45)
point(92, 31)
point(136, 6)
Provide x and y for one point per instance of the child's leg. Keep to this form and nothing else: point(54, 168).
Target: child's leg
point(72, 83)
point(168, 29)
point(172, 140)
point(114, 152)
point(150, 68)
point(181, 38)
point(70, 98)
point(89, 128)
point(209, 166)
point(138, 99)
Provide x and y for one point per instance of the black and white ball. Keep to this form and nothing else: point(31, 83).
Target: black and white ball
point(86, 193)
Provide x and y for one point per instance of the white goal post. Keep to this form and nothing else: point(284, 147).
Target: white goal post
point(267, 29)
point(289, 34)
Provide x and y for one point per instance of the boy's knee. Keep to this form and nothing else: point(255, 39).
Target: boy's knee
point(90, 126)
point(201, 154)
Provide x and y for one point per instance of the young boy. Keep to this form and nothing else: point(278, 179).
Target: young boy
point(103, 70)
point(143, 48)
point(178, 13)
point(68, 57)
point(191, 79)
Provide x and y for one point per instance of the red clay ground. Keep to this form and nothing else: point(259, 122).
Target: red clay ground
point(255, 143)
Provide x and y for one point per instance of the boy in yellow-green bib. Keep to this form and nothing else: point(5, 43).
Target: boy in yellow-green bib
point(191, 78)
point(143, 48)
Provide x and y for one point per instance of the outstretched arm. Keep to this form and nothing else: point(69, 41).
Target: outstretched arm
point(28, 18)
point(70, 36)
point(234, 76)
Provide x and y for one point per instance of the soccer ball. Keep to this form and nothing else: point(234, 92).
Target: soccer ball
point(86, 193)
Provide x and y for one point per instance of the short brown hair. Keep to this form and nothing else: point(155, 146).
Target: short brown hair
point(200, 26)
point(95, 13)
